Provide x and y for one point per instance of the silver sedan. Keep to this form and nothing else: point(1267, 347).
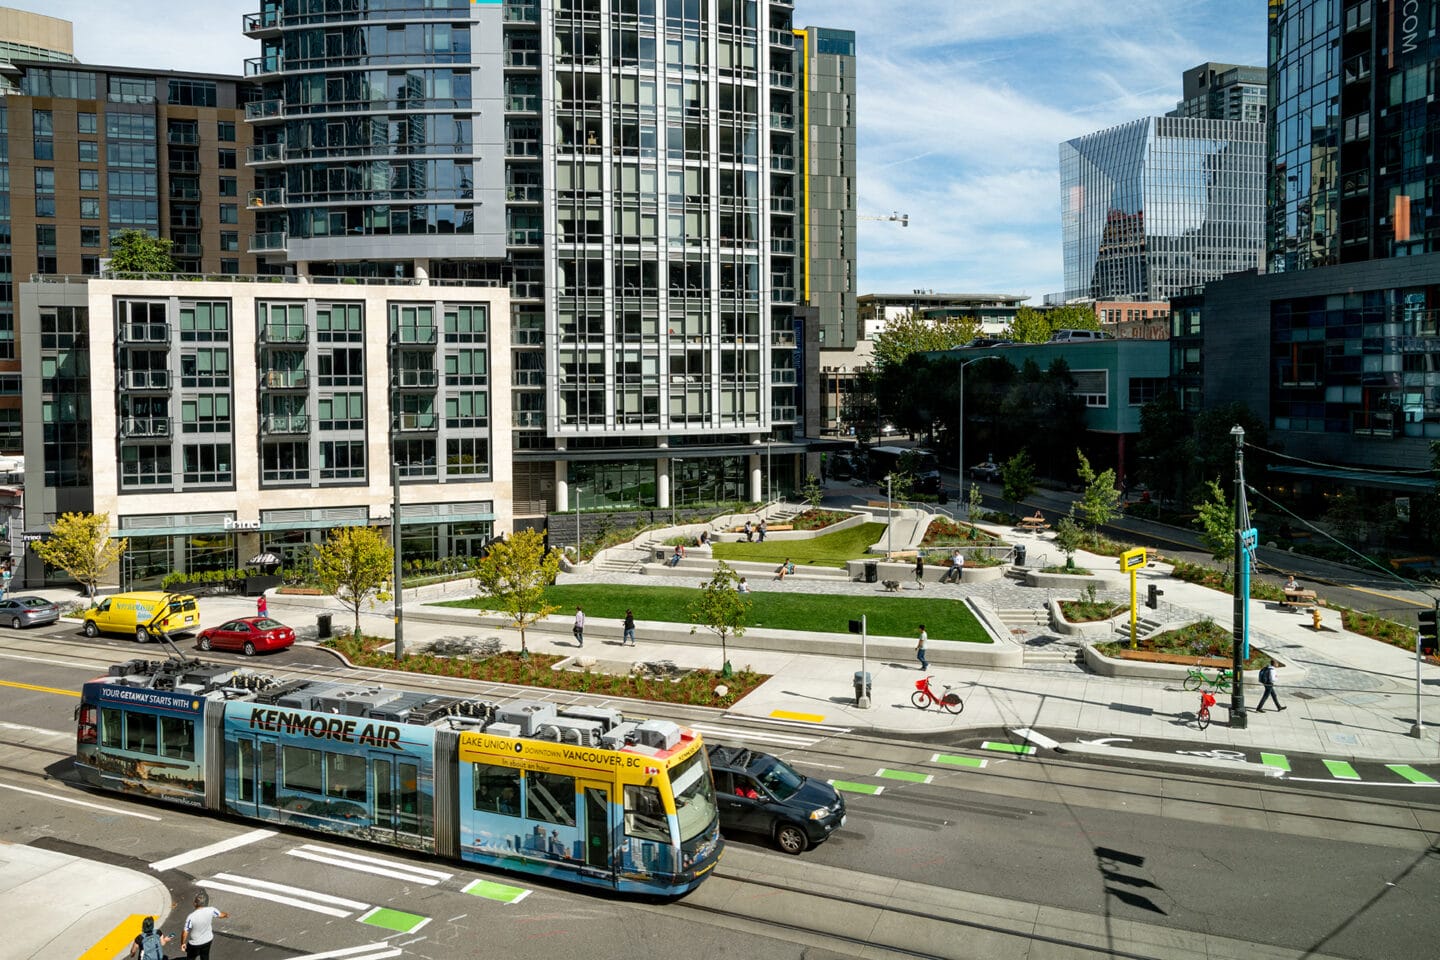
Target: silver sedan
point(28, 611)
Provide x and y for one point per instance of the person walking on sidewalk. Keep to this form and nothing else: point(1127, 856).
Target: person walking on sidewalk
point(579, 629)
point(1267, 680)
point(262, 606)
point(920, 571)
point(920, 650)
point(628, 637)
point(199, 930)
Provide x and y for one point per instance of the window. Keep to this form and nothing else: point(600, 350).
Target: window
point(207, 462)
point(89, 236)
point(229, 265)
point(280, 462)
point(466, 411)
point(133, 90)
point(229, 213)
point(89, 151)
point(177, 738)
point(45, 236)
point(206, 413)
point(343, 411)
point(145, 465)
point(205, 320)
point(140, 734)
point(229, 240)
point(85, 122)
point(190, 93)
point(226, 158)
point(225, 130)
point(44, 123)
point(112, 728)
point(89, 179)
point(342, 460)
point(229, 187)
point(89, 208)
point(90, 265)
point(205, 368)
point(301, 769)
point(550, 797)
point(497, 789)
point(345, 777)
point(467, 456)
point(645, 814)
point(465, 368)
point(1144, 390)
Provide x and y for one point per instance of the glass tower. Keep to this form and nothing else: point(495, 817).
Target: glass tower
point(1159, 204)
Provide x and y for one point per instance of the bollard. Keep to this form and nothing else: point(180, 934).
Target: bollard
point(1315, 616)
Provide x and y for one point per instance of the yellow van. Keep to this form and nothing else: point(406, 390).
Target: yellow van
point(143, 614)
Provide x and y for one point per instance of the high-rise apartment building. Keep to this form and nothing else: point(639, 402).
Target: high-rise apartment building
point(1159, 204)
point(31, 36)
point(1223, 91)
point(666, 187)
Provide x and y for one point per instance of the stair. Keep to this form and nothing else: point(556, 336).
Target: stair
point(1053, 650)
point(1026, 617)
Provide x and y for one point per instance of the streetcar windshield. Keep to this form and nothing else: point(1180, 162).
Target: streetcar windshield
point(694, 796)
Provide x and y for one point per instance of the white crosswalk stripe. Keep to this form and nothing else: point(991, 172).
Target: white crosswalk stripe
point(368, 951)
point(280, 893)
point(382, 868)
point(735, 733)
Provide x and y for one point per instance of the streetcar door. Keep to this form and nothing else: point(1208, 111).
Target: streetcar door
point(382, 793)
point(267, 779)
point(598, 843)
point(395, 794)
point(247, 786)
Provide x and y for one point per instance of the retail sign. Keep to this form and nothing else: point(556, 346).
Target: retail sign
point(1408, 22)
point(241, 524)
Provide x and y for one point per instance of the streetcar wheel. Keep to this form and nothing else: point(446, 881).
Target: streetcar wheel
point(1192, 683)
point(90, 629)
point(953, 703)
point(204, 643)
point(142, 635)
point(791, 838)
point(919, 699)
point(249, 649)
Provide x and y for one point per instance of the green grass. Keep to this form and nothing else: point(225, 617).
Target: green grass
point(886, 616)
point(828, 550)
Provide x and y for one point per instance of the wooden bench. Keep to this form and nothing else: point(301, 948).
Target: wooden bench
point(769, 528)
point(1033, 524)
point(1299, 598)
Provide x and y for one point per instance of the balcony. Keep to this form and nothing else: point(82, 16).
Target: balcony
point(266, 23)
point(269, 197)
point(273, 242)
point(284, 333)
point(784, 414)
point(1384, 424)
point(273, 424)
point(188, 248)
point(782, 79)
point(783, 378)
point(525, 236)
point(524, 193)
point(146, 381)
point(528, 419)
point(781, 121)
point(144, 426)
point(177, 165)
point(144, 333)
point(417, 422)
point(415, 380)
point(782, 338)
point(285, 379)
point(264, 66)
point(1300, 375)
point(782, 204)
point(178, 192)
point(421, 336)
point(782, 295)
point(782, 38)
point(518, 11)
point(263, 153)
point(782, 163)
point(264, 109)
point(785, 245)
point(522, 103)
point(186, 136)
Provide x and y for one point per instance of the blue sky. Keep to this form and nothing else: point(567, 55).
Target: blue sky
point(962, 106)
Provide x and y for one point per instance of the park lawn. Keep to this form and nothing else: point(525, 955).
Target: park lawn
point(886, 616)
point(827, 550)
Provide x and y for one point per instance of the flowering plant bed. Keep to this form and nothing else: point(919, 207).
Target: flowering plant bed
point(943, 531)
point(815, 519)
point(1089, 611)
point(1202, 640)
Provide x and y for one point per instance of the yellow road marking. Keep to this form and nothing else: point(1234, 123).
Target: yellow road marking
point(116, 940)
point(790, 715)
point(31, 686)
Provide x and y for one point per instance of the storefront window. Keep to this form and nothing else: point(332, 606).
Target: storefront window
point(624, 483)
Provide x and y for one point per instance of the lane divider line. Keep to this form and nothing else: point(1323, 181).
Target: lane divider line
point(81, 803)
point(958, 761)
point(201, 853)
point(1017, 748)
point(907, 775)
point(38, 689)
point(829, 728)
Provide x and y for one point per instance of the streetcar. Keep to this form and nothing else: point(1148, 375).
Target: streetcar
point(580, 794)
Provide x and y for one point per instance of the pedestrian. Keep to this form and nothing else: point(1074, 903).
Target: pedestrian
point(920, 571)
point(150, 944)
point(628, 637)
point(742, 587)
point(761, 530)
point(262, 606)
point(5, 575)
point(957, 567)
point(579, 629)
point(199, 930)
point(749, 532)
point(920, 650)
point(1267, 680)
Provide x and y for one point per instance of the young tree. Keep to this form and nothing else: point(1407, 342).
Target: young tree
point(908, 334)
point(1100, 503)
point(81, 545)
point(812, 492)
point(860, 407)
point(1068, 537)
point(977, 500)
point(721, 609)
point(354, 564)
point(1215, 519)
point(1029, 326)
point(514, 575)
point(1017, 477)
point(135, 251)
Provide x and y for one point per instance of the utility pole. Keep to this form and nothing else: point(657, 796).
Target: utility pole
point(889, 518)
point(577, 525)
point(396, 541)
point(1425, 638)
point(1240, 638)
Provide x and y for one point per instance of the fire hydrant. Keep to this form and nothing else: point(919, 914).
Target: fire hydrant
point(1315, 617)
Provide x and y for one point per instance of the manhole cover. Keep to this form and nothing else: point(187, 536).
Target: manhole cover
point(1348, 739)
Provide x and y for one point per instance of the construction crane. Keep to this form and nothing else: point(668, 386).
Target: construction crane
point(901, 218)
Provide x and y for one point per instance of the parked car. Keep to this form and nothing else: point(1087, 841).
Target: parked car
point(1079, 336)
point(759, 793)
point(249, 635)
point(144, 614)
point(28, 612)
point(988, 470)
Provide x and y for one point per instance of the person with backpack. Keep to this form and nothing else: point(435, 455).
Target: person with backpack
point(150, 944)
point(1267, 680)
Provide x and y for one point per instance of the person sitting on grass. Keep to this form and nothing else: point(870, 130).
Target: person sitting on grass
point(742, 586)
point(784, 570)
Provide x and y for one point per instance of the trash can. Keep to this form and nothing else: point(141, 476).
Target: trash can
point(1019, 554)
point(862, 686)
point(872, 571)
point(322, 625)
point(944, 496)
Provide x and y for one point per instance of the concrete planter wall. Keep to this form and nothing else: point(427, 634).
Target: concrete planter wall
point(1071, 581)
point(1100, 630)
point(1289, 673)
point(934, 572)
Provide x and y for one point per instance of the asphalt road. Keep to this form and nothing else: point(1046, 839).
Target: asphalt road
point(1353, 875)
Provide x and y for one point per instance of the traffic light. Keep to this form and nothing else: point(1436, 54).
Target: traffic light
point(1429, 632)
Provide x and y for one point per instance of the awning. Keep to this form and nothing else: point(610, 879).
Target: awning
point(1408, 483)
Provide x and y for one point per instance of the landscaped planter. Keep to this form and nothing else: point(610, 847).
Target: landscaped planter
point(934, 572)
point(1290, 674)
point(1091, 629)
point(1073, 581)
point(208, 588)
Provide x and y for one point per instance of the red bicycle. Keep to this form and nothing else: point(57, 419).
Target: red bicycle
point(1202, 717)
point(924, 695)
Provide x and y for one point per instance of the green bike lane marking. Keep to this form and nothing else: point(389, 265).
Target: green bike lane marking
point(906, 775)
point(499, 892)
point(1341, 770)
point(1410, 773)
point(1023, 749)
point(397, 920)
point(1276, 760)
point(849, 786)
point(957, 761)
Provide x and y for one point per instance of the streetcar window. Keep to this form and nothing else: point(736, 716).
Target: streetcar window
point(178, 737)
point(645, 814)
point(550, 797)
point(694, 796)
point(497, 789)
point(140, 734)
point(345, 777)
point(245, 761)
point(300, 769)
point(112, 726)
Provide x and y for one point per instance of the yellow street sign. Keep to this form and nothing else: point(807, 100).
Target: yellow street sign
point(1132, 559)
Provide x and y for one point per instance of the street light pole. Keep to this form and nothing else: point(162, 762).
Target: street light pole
point(769, 493)
point(1239, 720)
point(577, 524)
point(674, 488)
point(960, 434)
point(889, 518)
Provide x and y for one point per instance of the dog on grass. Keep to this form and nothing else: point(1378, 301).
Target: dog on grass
point(891, 586)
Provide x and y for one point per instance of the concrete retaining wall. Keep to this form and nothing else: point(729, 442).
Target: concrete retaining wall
point(1070, 581)
point(934, 572)
point(1289, 673)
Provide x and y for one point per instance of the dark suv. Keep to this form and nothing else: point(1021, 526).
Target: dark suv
point(759, 793)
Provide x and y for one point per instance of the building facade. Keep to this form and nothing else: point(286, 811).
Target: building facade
point(1158, 204)
point(1223, 91)
point(666, 189)
point(212, 421)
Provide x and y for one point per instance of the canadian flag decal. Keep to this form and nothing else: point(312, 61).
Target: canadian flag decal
point(651, 771)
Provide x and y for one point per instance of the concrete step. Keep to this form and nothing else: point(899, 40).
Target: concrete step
point(1058, 651)
point(1024, 617)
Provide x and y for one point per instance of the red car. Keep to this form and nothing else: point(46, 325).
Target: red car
point(250, 635)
